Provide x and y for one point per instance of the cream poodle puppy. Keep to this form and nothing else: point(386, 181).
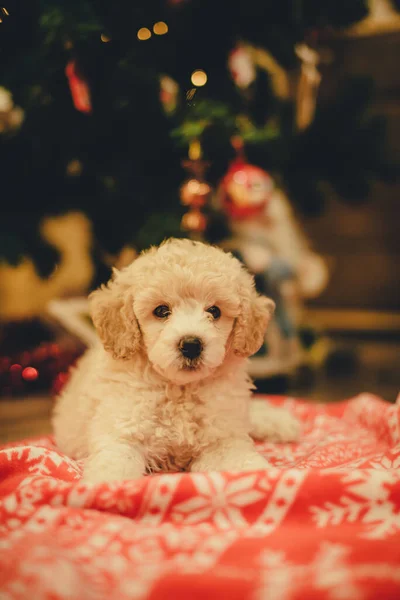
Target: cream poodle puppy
point(168, 390)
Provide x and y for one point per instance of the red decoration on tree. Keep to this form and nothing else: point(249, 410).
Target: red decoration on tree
point(195, 192)
point(44, 368)
point(80, 91)
point(245, 190)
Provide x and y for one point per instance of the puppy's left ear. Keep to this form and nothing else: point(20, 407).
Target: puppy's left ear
point(112, 313)
point(255, 313)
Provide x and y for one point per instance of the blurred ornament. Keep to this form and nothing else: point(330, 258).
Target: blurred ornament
point(245, 190)
point(79, 88)
point(11, 117)
point(241, 66)
point(194, 221)
point(195, 192)
point(44, 366)
point(169, 90)
point(310, 79)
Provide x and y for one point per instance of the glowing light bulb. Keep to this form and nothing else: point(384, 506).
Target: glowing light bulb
point(199, 78)
point(160, 28)
point(104, 38)
point(144, 33)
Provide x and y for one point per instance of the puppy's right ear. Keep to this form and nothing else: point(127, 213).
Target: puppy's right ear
point(112, 312)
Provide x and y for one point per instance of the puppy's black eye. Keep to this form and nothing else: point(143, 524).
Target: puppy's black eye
point(214, 311)
point(162, 312)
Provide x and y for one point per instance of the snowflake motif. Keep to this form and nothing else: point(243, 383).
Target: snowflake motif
point(218, 500)
point(385, 461)
point(331, 571)
point(367, 501)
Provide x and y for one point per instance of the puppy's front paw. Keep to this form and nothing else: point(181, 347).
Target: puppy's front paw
point(272, 424)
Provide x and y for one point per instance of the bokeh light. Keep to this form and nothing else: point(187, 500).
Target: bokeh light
point(105, 38)
point(160, 28)
point(199, 78)
point(144, 33)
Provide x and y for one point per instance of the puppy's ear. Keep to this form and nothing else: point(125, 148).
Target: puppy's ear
point(112, 313)
point(251, 324)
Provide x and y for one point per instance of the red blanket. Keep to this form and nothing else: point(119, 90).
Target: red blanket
point(322, 523)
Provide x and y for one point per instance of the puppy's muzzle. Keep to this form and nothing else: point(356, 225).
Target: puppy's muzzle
point(190, 347)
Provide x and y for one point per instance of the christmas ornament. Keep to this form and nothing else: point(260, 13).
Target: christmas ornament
point(245, 190)
point(35, 370)
point(194, 221)
point(11, 117)
point(169, 90)
point(241, 66)
point(79, 88)
point(195, 192)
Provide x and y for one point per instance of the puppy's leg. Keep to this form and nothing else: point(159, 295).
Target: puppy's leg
point(272, 423)
point(230, 455)
point(114, 461)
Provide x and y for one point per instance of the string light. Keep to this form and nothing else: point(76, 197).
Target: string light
point(199, 78)
point(104, 38)
point(160, 28)
point(144, 33)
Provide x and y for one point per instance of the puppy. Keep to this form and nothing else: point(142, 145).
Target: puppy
point(168, 390)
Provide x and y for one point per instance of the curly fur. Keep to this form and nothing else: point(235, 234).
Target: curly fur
point(135, 404)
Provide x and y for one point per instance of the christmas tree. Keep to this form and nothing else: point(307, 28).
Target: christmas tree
point(107, 97)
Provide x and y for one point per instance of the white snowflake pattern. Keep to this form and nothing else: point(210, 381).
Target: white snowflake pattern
point(366, 500)
point(331, 571)
point(218, 500)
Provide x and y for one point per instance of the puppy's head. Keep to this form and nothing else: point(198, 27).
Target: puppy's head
point(187, 305)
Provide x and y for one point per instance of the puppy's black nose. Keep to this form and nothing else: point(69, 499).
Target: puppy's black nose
point(190, 347)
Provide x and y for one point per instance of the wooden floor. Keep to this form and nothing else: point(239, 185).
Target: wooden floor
point(378, 371)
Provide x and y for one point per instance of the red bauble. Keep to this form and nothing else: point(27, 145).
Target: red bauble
point(194, 221)
point(245, 191)
point(195, 193)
